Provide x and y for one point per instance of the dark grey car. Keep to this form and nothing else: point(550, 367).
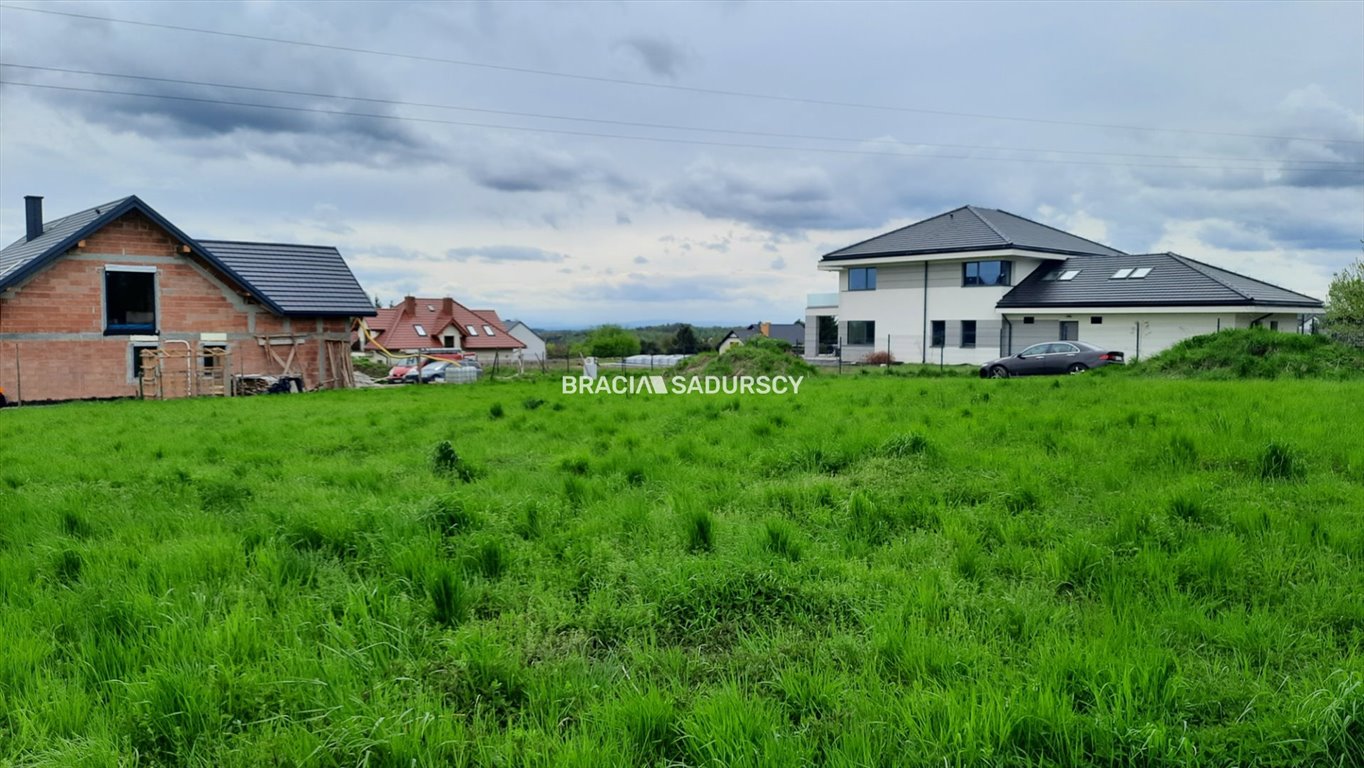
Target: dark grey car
point(1051, 357)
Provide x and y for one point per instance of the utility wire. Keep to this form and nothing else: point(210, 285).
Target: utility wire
point(664, 86)
point(664, 126)
point(661, 139)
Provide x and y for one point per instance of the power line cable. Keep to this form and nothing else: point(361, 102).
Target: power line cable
point(662, 139)
point(663, 126)
point(664, 86)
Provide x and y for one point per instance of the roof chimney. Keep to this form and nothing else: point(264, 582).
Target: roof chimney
point(409, 305)
point(33, 217)
point(447, 307)
point(766, 328)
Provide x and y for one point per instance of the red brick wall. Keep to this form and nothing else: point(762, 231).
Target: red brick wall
point(66, 298)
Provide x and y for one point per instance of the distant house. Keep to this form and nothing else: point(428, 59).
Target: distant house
point(535, 346)
point(426, 324)
point(792, 333)
point(973, 284)
point(88, 300)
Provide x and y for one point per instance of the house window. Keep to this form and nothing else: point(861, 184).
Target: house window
point(985, 272)
point(488, 329)
point(1029, 320)
point(939, 333)
point(861, 332)
point(1096, 320)
point(450, 342)
point(1273, 325)
point(129, 300)
point(212, 361)
point(862, 279)
point(968, 333)
point(472, 330)
point(135, 360)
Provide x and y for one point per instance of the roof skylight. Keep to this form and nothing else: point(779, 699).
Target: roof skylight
point(1139, 273)
point(1069, 274)
point(472, 330)
point(1050, 276)
point(1120, 274)
point(419, 328)
point(488, 329)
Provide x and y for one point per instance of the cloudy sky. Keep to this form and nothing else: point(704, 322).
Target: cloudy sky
point(573, 164)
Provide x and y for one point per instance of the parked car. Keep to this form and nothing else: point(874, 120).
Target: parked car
point(1051, 357)
point(445, 372)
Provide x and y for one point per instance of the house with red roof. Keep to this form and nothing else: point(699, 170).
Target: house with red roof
point(429, 324)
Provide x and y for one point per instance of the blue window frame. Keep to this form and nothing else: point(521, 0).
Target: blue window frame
point(986, 272)
point(862, 279)
point(129, 302)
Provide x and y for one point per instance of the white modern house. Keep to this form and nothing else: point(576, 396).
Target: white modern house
point(974, 284)
point(535, 346)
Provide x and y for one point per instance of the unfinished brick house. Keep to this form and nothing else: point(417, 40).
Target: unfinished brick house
point(115, 301)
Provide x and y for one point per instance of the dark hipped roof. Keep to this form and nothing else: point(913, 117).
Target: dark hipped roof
point(302, 279)
point(286, 272)
point(971, 229)
point(1174, 280)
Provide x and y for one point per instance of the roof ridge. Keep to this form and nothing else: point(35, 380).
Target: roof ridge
point(1062, 231)
point(1191, 262)
point(893, 231)
point(987, 223)
point(263, 242)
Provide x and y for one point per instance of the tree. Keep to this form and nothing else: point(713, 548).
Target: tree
point(684, 341)
point(650, 347)
point(377, 304)
point(1345, 306)
point(612, 341)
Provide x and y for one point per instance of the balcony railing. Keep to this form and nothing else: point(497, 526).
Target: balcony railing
point(813, 300)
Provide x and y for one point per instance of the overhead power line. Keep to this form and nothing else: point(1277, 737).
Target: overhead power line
point(663, 126)
point(663, 86)
point(660, 139)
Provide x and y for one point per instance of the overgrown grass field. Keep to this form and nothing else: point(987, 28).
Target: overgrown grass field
point(880, 571)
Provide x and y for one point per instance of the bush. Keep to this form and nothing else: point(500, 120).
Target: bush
point(612, 341)
point(1257, 353)
point(879, 358)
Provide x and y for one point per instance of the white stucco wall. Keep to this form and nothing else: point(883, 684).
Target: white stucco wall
point(535, 346)
point(1138, 335)
point(897, 307)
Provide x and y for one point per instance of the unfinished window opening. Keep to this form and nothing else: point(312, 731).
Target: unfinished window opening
point(129, 300)
point(135, 359)
point(213, 356)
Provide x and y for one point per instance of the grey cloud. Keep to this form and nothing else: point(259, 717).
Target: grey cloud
point(778, 263)
point(641, 260)
point(660, 56)
point(504, 253)
point(530, 167)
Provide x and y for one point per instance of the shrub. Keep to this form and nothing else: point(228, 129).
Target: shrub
point(879, 358)
point(445, 461)
point(496, 411)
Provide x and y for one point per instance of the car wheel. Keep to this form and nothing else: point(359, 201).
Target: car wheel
point(999, 372)
point(1077, 368)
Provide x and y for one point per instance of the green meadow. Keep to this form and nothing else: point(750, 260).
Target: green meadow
point(884, 570)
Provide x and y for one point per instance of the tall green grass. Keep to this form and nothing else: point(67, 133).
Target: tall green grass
point(884, 570)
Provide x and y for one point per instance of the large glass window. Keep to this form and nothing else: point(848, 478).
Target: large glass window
point(861, 332)
point(968, 333)
point(986, 272)
point(862, 279)
point(129, 302)
point(939, 333)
